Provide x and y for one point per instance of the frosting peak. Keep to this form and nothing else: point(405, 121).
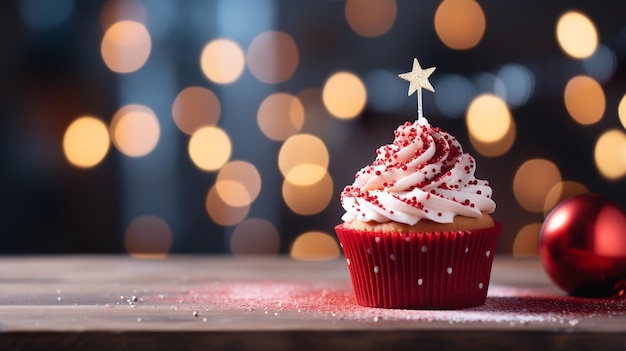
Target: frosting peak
point(423, 174)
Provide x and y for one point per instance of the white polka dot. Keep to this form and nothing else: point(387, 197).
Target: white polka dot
point(348, 260)
point(466, 249)
point(369, 251)
point(377, 239)
point(488, 253)
point(392, 257)
point(420, 281)
point(407, 239)
point(376, 269)
point(341, 245)
point(424, 248)
point(449, 270)
point(480, 286)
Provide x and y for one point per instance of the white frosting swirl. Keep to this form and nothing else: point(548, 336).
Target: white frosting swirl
point(424, 174)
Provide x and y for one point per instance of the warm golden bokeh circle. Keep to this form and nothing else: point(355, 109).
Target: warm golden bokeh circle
point(195, 107)
point(273, 57)
point(135, 130)
point(222, 213)
point(86, 142)
point(280, 116)
point(255, 236)
point(311, 246)
point(532, 182)
point(344, 95)
point(488, 118)
point(577, 35)
point(209, 148)
point(560, 192)
point(302, 149)
point(621, 111)
point(148, 236)
point(610, 154)
point(460, 24)
point(585, 100)
point(526, 242)
point(498, 147)
point(371, 18)
point(222, 61)
point(308, 199)
point(306, 174)
point(126, 46)
point(238, 183)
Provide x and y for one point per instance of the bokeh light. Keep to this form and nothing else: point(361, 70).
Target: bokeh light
point(114, 11)
point(519, 82)
point(371, 18)
point(385, 91)
point(126, 46)
point(621, 111)
point(454, 93)
point(209, 148)
point(222, 213)
point(43, 15)
point(135, 130)
point(195, 107)
point(86, 142)
point(247, 113)
point(498, 147)
point(280, 116)
point(238, 183)
point(610, 154)
point(344, 95)
point(601, 65)
point(577, 35)
point(532, 182)
point(303, 159)
point(255, 236)
point(222, 61)
point(273, 57)
point(526, 242)
point(460, 24)
point(488, 118)
point(489, 83)
point(148, 236)
point(561, 191)
point(584, 100)
point(314, 245)
point(308, 199)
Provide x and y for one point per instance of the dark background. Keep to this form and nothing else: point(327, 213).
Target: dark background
point(51, 76)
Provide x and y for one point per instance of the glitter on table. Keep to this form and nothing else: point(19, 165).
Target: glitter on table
point(111, 302)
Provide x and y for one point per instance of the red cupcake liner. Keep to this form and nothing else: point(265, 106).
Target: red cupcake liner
point(436, 270)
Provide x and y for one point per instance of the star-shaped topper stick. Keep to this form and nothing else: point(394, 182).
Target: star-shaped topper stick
point(418, 79)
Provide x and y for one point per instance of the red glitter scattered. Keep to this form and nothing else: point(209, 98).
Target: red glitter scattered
point(510, 305)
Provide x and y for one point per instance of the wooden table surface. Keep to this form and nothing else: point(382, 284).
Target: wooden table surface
point(275, 303)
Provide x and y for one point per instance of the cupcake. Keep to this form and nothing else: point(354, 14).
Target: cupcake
point(417, 232)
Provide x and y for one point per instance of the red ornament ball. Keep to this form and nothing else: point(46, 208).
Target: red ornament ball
point(582, 246)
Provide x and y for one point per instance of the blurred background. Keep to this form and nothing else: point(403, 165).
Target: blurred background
point(158, 127)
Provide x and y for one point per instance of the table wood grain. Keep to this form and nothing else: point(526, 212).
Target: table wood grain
point(276, 303)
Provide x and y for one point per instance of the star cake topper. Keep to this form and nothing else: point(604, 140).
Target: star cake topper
point(418, 79)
